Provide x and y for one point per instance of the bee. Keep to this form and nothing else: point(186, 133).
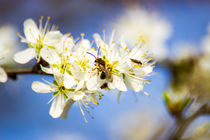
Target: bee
point(138, 62)
point(103, 68)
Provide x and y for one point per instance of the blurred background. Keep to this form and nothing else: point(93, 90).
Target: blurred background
point(176, 31)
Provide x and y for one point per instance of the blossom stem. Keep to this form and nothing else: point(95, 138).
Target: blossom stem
point(36, 69)
point(183, 123)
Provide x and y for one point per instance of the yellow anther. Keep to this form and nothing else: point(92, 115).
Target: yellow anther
point(43, 79)
point(82, 34)
point(18, 33)
point(114, 29)
point(103, 30)
point(38, 61)
point(48, 17)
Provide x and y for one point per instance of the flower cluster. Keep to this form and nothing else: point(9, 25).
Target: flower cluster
point(8, 40)
point(83, 69)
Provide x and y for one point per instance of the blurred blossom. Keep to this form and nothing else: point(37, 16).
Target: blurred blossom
point(137, 23)
point(200, 81)
point(200, 133)
point(206, 41)
point(135, 125)
point(205, 61)
point(183, 51)
point(177, 100)
point(8, 43)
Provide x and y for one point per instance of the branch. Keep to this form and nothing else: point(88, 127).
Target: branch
point(36, 69)
point(183, 123)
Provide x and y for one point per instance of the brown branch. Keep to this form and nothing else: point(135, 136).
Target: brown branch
point(36, 69)
point(183, 123)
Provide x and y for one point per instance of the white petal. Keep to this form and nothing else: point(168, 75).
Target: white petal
point(119, 83)
point(30, 30)
point(40, 87)
point(57, 106)
point(98, 40)
point(66, 109)
point(80, 85)
point(52, 38)
point(69, 81)
point(78, 95)
point(134, 84)
point(46, 70)
point(147, 69)
point(85, 44)
point(59, 77)
point(25, 56)
point(3, 75)
point(50, 55)
point(94, 83)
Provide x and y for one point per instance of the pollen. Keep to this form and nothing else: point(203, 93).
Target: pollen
point(82, 34)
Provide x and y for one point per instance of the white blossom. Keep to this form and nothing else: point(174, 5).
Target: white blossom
point(154, 29)
point(37, 38)
point(121, 70)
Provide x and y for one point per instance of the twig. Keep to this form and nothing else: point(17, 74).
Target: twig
point(36, 69)
point(183, 123)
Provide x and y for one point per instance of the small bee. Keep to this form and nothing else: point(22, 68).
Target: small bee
point(103, 68)
point(137, 62)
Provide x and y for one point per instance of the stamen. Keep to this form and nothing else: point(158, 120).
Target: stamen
point(112, 36)
point(51, 99)
point(46, 24)
point(104, 34)
point(40, 23)
point(83, 114)
point(86, 109)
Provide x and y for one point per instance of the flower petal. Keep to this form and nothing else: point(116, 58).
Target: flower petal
point(57, 106)
point(46, 70)
point(66, 109)
point(50, 55)
point(119, 83)
point(134, 84)
point(40, 87)
point(69, 81)
point(24, 56)
point(52, 38)
point(94, 83)
point(3, 75)
point(31, 30)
